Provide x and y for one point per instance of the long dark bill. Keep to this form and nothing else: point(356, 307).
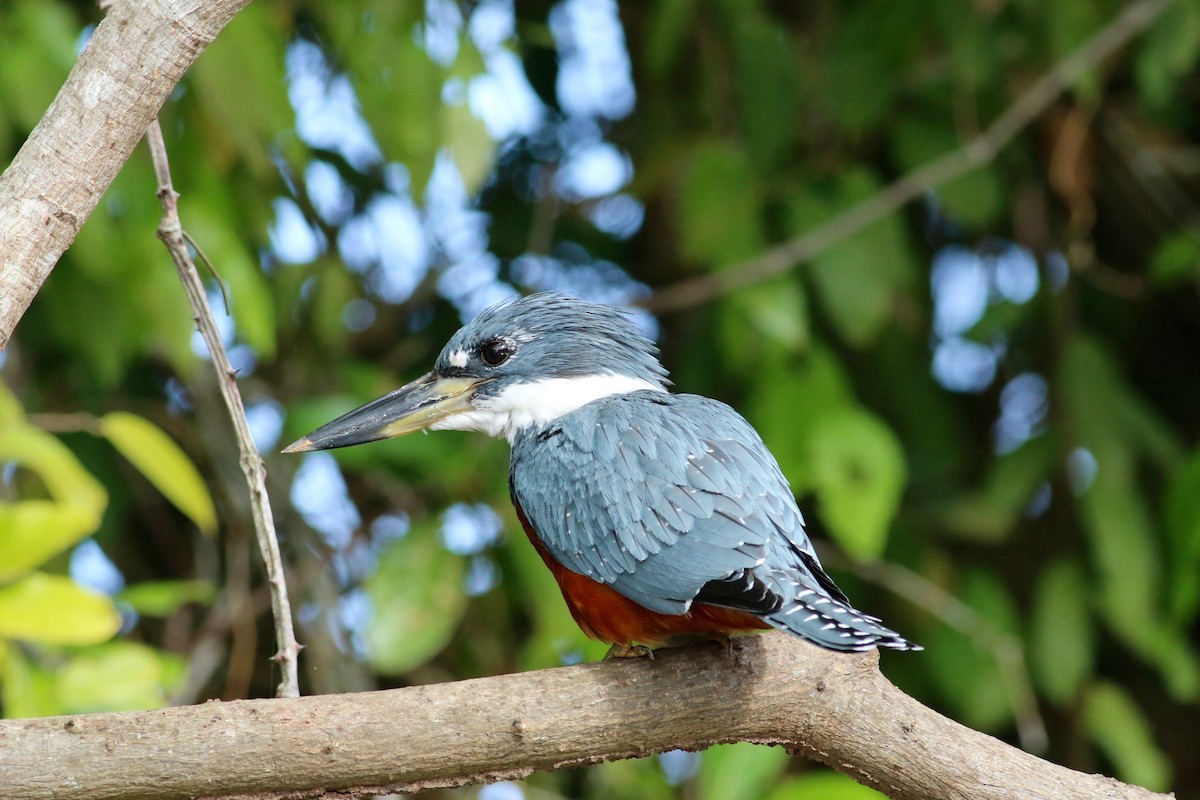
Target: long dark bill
point(410, 408)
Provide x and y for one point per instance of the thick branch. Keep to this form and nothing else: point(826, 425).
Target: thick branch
point(136, 56)
point(836, 708)
point(1030, 105)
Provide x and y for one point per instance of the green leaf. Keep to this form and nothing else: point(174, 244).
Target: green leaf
point(767, 90)
point(418, 601)
point(240, 81)
point(667, 31)
point(719, 207)
point(39, 50)
point(164, 598)
point(640, 778)
point(859, 471)
point(465, 135)
point(378, 44)
point(27, 689)
point(53, 609)
point(739, 771)
point(994, 511)
point(38, 529)
point(163, 463)
point(977, 198)
point(1109, 420)
point(1067, 26)
point(859, 278)
point(776, 309)
point(1062, 642)
point(963, 662)
point(1121, 731)
point(862, 65)
point(11, 411)
point(1166, 53)
point(65, 478)
point(790, 403)
point(1176, 259)
point(824, 785)
point(120, 676)
point(1182, 513)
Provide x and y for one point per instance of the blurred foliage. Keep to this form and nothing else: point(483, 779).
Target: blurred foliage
point(56, 653)
point(986, 401)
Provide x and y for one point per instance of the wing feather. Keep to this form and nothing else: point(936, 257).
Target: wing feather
point(659, 496)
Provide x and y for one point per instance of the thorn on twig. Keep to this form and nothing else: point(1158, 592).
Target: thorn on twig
point(187, 237)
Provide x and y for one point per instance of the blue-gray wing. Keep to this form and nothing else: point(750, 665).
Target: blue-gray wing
point(672, 499)
point(659, 496)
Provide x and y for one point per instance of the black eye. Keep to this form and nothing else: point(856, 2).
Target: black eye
point(495, 352)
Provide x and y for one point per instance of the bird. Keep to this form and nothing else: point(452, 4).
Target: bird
point(663, 516)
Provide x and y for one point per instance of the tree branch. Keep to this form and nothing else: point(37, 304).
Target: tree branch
point(170, 230)
point(134, 59)
point(1134, 19)
point(836, 708)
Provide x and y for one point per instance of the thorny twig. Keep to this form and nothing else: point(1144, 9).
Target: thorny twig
point(171, 232)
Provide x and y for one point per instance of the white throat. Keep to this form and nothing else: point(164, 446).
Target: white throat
point(523, 405)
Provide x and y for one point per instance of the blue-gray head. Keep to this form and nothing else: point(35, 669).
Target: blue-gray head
point(516, 366)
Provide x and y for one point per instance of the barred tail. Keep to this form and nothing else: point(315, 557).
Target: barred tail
point(835, 625)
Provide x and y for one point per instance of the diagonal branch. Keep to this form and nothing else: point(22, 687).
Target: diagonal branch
point(171, 232)
point(833, 707)
point(134, 59)
point(1134, 19)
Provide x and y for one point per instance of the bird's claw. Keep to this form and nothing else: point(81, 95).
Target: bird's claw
point(629, 651)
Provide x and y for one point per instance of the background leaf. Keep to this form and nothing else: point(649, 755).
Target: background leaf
point(1122, 732)
point(858, 471)
point(55, 610)
point(163, 463)
point(417, 601)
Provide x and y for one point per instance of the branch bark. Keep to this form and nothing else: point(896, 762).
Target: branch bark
point(134, 59)
point(836, 708)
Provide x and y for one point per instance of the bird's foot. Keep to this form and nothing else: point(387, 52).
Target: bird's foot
point(629, 651)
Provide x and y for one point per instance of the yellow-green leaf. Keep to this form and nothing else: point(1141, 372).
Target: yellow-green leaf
point(1061, 638)
point(37, 529)
point(119, 676)
point(163, 598)
point(858, 279)
point(739, 771)
point(10, 406)
point(65, 478)
point(53, 609)
point(826, 785)
point(163, 463)
point(859, 471)
point(27, 689)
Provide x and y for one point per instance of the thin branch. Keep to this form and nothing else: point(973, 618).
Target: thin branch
point(1136, 17)
point(171, 232)
point(833, 707)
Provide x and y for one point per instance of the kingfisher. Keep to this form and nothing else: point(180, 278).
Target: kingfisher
point(663, 516)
